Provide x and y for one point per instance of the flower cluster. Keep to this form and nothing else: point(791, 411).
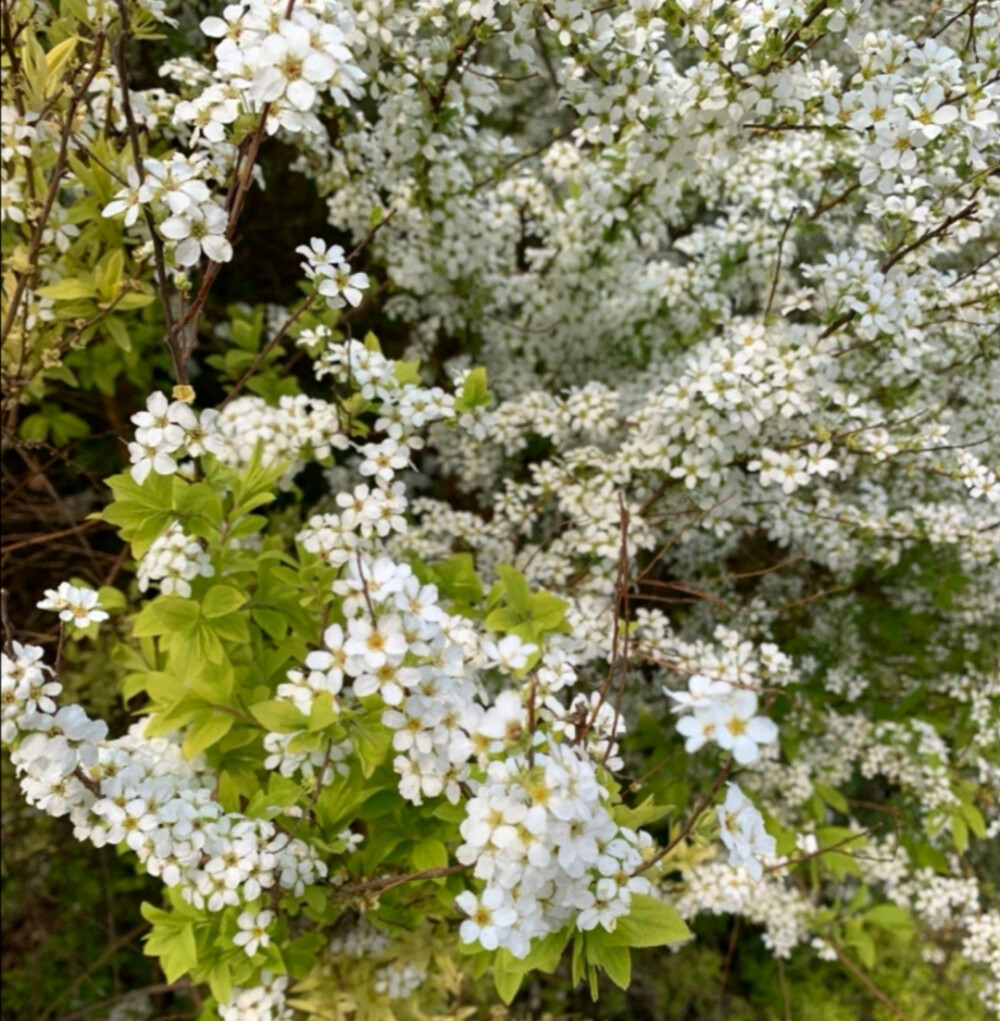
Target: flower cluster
point(549, 851)
point(331, 274)
point(723, 714)
point(731, 286)
point(173, 561)
point(177, 193)
point(167, 430)
point(76, 605)
point(743, 832)
point(276, 58)
point(141, 792)
point(266, 1002)
point(28, 687)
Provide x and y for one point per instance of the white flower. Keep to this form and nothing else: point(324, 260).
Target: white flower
point(743, 833)
point(158, 425)
point(344, 284)
point(253, 931)
point(148, 457)
point(488, 915)
point(697, 729)
point(510, 654)
point(198, 229)
point(738, 729)
point(127, 200)
point(371, 646)
point(505, 720)
point(702, 692)
point(76, 605)
point(289, 67)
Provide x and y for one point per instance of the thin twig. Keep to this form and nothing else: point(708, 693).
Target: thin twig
point(34, 247)
point(777, 264)
point(690, 824)
point(858, 974)
point(388, 882)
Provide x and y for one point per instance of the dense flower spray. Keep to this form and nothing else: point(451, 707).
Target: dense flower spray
point(580, 639)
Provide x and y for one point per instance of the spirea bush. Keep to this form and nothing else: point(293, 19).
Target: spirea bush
point(649, 570)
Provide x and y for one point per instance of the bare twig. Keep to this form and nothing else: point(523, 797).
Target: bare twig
point(777, 264)
point(861, 977)
point(692, 820)
point(21, 283)
point(388, 882)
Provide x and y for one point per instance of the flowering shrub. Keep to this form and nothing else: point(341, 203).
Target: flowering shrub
point(652, 576)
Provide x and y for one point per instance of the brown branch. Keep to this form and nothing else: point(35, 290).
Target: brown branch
point(122, 941)
point(819, 853)
point(57, 172)
point(74, 530)
point(690, 824)
point(858, 974)
point(181, 985)
point(777, 264)
point(307, 304)
point(830, 204)
point(388, 882)
point(235, 201)
point(626, 616)
point(132, 129)
point(8, 630)
point(267, 349)
point(966, 213)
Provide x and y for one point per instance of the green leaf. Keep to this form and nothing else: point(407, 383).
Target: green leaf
point(430, 854)
point(133, 300)
point(516, 587)
point(220, 600)
point(273, 623)
point(166, 615)
point(116, 329)
point(548, 612)
point(157, 916)
point(616, 960)
point(209, 727)
point(58, 58)
point(324, 711)
point(833, 798)
point(974, 819)
point(475, 393)
point(193, 652)
point(507, 975)
point(503, 619)
point(650, 923)
point(372, 742)
point(220, 981)
point(175, 946)
point(890, 917)
point(279, 716)
point(202, 500)
point(34, 427)
point(545, 954)
point(233, 627)
point(578, 959)
point(300, 955)
point(642, 815)
point(111, 599)
point(108, 274)
point(70, 289)
point(864, 945)
point(457, 580)
point(141, 512)
point(249, 525)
